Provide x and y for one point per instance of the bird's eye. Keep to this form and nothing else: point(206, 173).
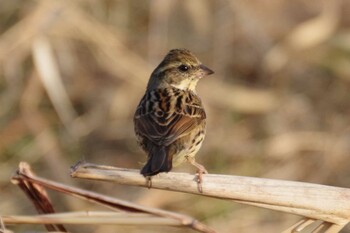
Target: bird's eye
point(183, 68)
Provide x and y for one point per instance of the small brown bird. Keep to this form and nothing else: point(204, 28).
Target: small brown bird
point(170, 119)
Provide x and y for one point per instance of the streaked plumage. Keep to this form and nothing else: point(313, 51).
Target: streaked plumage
point(170, 119)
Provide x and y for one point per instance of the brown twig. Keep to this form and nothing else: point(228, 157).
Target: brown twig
point(38, 195)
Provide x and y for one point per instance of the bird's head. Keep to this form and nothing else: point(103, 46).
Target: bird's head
point(179, 69)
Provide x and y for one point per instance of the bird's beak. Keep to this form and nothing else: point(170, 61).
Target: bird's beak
point(205, 70)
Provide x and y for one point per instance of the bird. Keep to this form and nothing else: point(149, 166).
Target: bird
point(170, 121)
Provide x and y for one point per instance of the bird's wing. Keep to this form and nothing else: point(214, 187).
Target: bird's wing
point(163, 125)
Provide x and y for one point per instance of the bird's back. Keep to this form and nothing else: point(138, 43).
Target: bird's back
point(173, 119)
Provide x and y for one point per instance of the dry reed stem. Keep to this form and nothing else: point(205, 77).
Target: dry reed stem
point(93, 217)
point(112, 203)
point(313, 226)
point(327, 203)
point(50, 77)
point(39, 197)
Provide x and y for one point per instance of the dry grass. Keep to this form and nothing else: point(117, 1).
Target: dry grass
point(72, 73)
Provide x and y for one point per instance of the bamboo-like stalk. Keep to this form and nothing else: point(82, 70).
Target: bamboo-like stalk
point(326, 203)
point(93, 217)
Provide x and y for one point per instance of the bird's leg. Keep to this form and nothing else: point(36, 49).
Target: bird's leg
point(200, 171)
point(149, 181)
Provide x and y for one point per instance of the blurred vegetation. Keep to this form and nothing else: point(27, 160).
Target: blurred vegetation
point(278, 106)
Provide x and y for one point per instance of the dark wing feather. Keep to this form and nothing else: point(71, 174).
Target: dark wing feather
point(164, 129)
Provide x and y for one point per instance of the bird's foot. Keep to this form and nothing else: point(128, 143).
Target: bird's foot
point(149, 182)
point(200, 171)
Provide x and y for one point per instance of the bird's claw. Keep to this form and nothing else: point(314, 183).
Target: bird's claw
point(199, 175)
point(149, 182)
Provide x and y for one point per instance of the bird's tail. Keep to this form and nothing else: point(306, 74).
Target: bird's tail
point(158, 161)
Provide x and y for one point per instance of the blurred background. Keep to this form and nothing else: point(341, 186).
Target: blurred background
point(278, 105)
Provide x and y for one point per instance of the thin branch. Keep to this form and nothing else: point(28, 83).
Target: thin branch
point(327, 203)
